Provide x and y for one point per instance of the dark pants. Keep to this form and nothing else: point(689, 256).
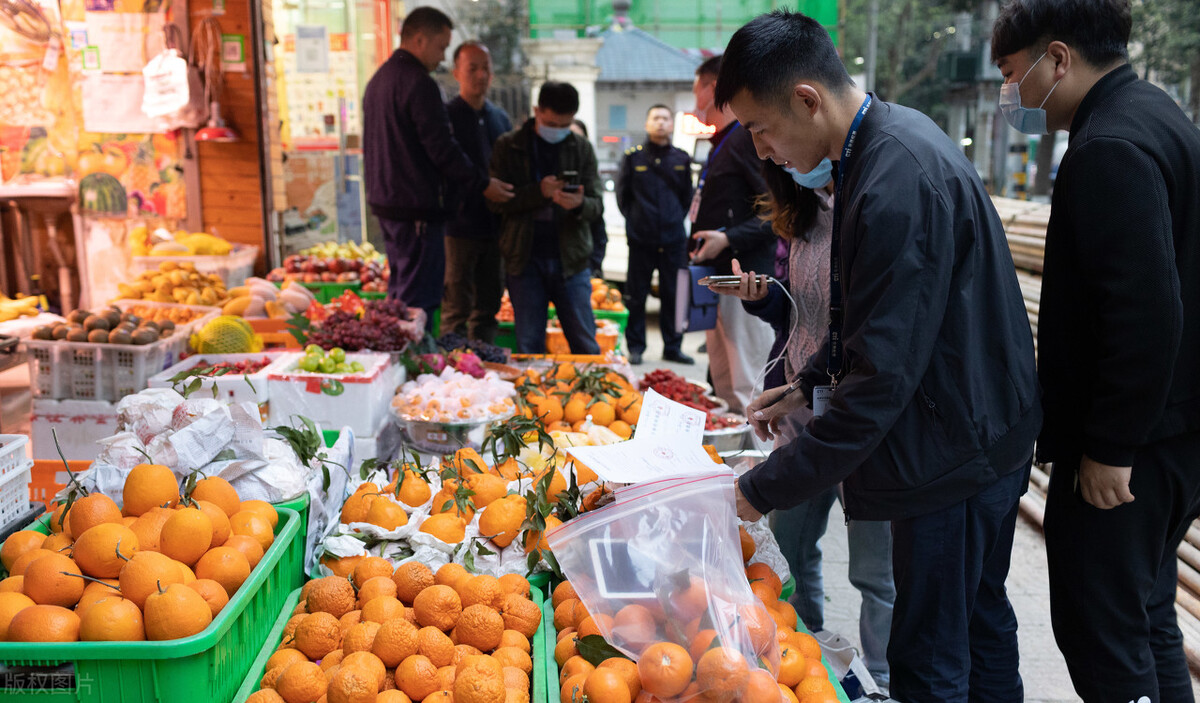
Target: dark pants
point(473, 287)
point(416, 263)
point(643, 261)
point(954, 633)
point(599, 246)
point(1113, 576)
point(541, 283)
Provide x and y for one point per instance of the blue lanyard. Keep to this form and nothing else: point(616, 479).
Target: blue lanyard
point(834, 364)
point(713, 155)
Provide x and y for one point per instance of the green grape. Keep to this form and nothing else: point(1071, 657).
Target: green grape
point(338, 354)
point(357, 367)
point(314, 349)
point(328, 365)
point(341, 368)
point(310, 364)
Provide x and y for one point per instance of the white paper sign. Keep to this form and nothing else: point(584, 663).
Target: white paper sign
point(667, 442)
point(312, 49)
point(112, 104)
point(126, 40)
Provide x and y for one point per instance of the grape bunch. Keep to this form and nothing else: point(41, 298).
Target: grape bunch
point(486, 352)
point(383, 327)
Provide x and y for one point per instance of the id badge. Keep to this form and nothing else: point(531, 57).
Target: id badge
point(820, 400)
point(695, 207)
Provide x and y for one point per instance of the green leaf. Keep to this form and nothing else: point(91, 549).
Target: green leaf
point(595, 649)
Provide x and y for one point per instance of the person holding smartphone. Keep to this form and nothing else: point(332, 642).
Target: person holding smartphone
point(545, 229)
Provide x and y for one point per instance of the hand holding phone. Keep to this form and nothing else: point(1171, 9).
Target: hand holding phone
point(742, 285)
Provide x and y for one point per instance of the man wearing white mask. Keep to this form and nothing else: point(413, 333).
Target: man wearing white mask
point(545, 229)
point(1118, 342)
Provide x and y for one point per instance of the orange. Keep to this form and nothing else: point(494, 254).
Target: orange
point(815, 670)
point(621, 429)
point(54, 580)
point(283, 657)
point(360, 637)
point(438, 606)
point(520, 614)
point(606, 685)
point(748, 546)
point(413, 490)
point(722, 672)
point(444, 504)
point(349, 620)
point(537, 538)
point(382, 609)
point(563, 591)
point(248, 546)
point(250, 523)
point(488, 489)
point(369, 568)
point(148, 486)
point(575, 410)
point(355, 507)
point(366, 662)
point(58, 517)
point(512, 638)
point(462, 651)
point(631, 412)
point(225, 565)
point(148, 527)
point(515, 678)
point(761, 686)
point(574, 665)
point(102, 550)
point(447, 527)
point(635, 625)
point(263, 508)
point(416, 677)
point(217, 490)
point(597, 624)
point(808, 645)
point(665, 669)
point(502, 519)
point(411, 579)
point(434, 644)
point(395, 641)
point(514, 657)
point(375, 587)
point(301, 682)
point(627, 669)
point(10, 605)
point(571, 690)
point(56, 542)
point(565, 649)
point(352, 685)
point(564, 614)
point(480, 626)
point(18, 543)
point(701, 643)
point(265, 695)
point(143, 574)
point(318, 634)
point(479, 679)
point(449, 575)
point(13, 584)
point(331, 594)
point(213, 593)
point(482, 589)
point(174, 612)
point(44, 623)
point(187, 535)
point(814, 684)
point(784, 614)
point(602, 413)
point(89, 511)
point(792, 666)
point(563, 633)
point(391, 696)
point(789, 696)
point(96, 591)
point(761, 572)
point(220, 521)
point(689, 602)
point(112, 619)
point(760, 624)
point(515, 583)
point(386, 513)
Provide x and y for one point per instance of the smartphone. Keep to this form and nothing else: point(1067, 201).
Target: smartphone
point(727, 281)
point(571, 181)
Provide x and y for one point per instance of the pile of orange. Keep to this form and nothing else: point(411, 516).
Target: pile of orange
point(606, 297)
point(565, 397)
point(160, 568)
point(406, 635)
point(678, 663)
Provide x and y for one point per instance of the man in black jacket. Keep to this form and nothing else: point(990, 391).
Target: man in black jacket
point(1118, 341)
point(473, 270)
point(654, 189)
point(726, 225)
point(409, 156)
point(927, 392)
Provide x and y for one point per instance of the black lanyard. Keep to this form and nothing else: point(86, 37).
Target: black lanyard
point(834, 365)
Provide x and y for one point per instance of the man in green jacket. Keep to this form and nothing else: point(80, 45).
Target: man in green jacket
point(545, 229)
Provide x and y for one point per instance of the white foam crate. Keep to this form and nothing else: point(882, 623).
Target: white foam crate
point(359, 401)
point(89, 371)
point(233, 268)
point(12, 453)
point(229, 388)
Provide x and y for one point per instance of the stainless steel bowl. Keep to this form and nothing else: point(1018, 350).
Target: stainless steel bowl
point(445, 437)
point(728, 439)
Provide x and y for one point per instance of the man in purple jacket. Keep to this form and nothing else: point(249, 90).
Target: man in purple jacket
point(410, 156)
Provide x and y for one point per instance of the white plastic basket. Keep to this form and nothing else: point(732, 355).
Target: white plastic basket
point(89, 371)
point(234, 268)
point(14, 488)
point(12, 453)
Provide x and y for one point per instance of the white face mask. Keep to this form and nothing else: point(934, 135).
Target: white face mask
point(1027, 120)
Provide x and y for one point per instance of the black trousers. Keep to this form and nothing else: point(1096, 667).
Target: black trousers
point(1113, 576)
point(643, 260)
point(474, 286)
point(416, 263)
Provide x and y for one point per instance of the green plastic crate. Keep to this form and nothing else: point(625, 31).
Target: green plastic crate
point(552, 669)
point(538, 681)
point(204, 668)
point(325, 291)
point(300, 506)
point(789, 587)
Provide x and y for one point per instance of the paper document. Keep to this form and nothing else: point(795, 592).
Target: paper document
point(667, 442)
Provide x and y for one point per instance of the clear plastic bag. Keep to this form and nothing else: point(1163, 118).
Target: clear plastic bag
point(663, 564)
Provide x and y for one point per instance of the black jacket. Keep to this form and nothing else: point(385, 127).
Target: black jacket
point(732, 182)
point(654, 190)
point(409, 154)
point(939, 397)
point(476, 132)
point(1119, 322)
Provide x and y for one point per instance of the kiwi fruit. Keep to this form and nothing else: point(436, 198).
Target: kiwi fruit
point(113, 316)
point(145, 336)
point(78, 316)
point(77, 334)
point(96, 322)
point(120, 336)
point(98, 336)
point(44, 332)
point(60, 331)
point(167, 326)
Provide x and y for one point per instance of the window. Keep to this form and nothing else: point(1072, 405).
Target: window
point(616, 117)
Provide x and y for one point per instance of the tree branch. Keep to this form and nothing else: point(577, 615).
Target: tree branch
point(931, 62)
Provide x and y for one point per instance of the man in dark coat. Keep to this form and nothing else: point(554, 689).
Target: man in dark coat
point(925, 393)
point(1118, 342)
point(473, 270)
point(409, 156)
point(654, 189)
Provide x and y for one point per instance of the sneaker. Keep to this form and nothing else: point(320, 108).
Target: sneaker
point(678, 357)
point(635, 359)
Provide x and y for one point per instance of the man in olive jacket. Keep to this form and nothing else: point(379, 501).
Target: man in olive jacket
point(545, 229)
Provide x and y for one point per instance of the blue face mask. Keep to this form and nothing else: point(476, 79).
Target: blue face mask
point(554, 135)
point(1027, 120)
point(819, 177)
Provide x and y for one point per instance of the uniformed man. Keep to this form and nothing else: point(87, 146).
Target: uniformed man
point(654, 189)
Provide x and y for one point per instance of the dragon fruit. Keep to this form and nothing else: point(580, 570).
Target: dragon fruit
point(467, 362)
point(432, 363)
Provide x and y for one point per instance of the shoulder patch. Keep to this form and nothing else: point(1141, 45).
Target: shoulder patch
point(680, 167)
point(641, 168)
